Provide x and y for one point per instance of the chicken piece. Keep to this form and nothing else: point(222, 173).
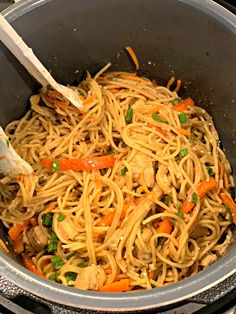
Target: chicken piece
point(142, 169)
point(90, 278)
point(208, 260)
point(146, 235)
point(67, 229)
point(115, 239)
point(37, 238)
point(145, 255)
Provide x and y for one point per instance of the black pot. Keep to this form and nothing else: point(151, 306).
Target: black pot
point(194, 40)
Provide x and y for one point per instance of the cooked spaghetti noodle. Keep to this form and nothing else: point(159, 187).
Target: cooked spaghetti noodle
point(131, 193)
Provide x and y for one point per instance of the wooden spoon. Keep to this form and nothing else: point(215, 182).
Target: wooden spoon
point(27, 58)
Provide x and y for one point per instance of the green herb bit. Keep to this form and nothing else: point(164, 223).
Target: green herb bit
point(176, 100)
point(135, 247)
point(70, 255)
point(55, 165)
point(57, 262)
point(53, 277)
point(47, 219)
point(183, 152)
point(210, 171)
point(229, 211)
point(194, 198)
point(60, 217)
point(123, 171)
point(82, 92)
point(54, 237)
point(156, 117)
point(82, 264)
point(129, 115)
point(71, 276)
point(52, 247)
point(8, 143)
point(180, 213)
point(167, 199)
point(183, 117)
point(113, 152)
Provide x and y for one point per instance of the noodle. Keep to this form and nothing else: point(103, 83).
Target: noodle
point(138, 216)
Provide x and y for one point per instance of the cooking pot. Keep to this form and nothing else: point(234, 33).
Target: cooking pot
point(194, 40)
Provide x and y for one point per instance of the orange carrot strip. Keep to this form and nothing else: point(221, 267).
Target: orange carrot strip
point(114, 90)
point(18, 245)
point(133, 56)
point(89, 99)
point(163, 132)
point(108, 218)
point(183, 105)
point(30, 265)
point(165, 226)
point(49, 209)
point(227, 200)
point(183, 132)
point(16, 230)
point(202, 189)
point(157, 108)
point(117, 286)
point(79, 164)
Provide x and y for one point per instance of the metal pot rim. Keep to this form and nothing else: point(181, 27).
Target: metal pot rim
point(167, 295)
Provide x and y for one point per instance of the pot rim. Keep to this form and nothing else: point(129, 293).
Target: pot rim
point(148, 299)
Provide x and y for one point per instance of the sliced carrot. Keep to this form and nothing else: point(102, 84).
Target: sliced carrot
point(163, 132)
point(89, 99)
point(49, 209)
point(108, 218)
point(150, 274)
point(133, 56)
point(202, 189)
point(28, 263)
point(227, 200)
point(157, 108)
point(165, 226)
point(117, 286)
point(114, 90)
point(183, 132)
point(183, 105)
point(18, 245)
point(16, 229)
point(79, 164)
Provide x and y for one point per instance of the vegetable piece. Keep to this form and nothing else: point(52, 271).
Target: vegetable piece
point(183, 132)
point(117, 286)
point(18, 245)
point(82, 264)
point(30, 265)
point(52, 246)
point(53, 277)
point(71, 276)
point(70, 255)
point(180, 213)
point(167, 199)
point(176, 100)
point(55, 165)
point(47, 219)
point(227, 200)
point(163, 132)
point(60, 217)
point(183, 152)
point(129, 115)
point(202, 189)
point(79, 164)
point(133, 56)
point(57, 262)
point(165, 226)
point(16, 230)
point(37, 238)
point(184, 104)
point(183, 118)
point(123, 171)
point(8, 143)
point(210, 171)
point(3, 246)
point(107, 219)
point(156, 108)
point(194, 198)
point(157, 117)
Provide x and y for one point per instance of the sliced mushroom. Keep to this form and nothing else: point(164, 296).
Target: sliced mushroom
point(37, 238)
point(90, 278)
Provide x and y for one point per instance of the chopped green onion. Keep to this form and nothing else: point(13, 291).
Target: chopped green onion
point(70, 255)
point(180, 213)
point(183, 152)
point(60, 217)
point(176, 100)
point(82, 264)
point(71, 276)
point(156, 117)
point(123, 171)
point(167, 199)
point(210, 171)
point(229, 211)
point(112, 152)
point(129, 115)
point(54, 237)
point(47, 219)
point(52, 247)
point(8, 143)
point(82, 92)
point(183, 117)
point(55, 165)
point(57, 262)
point(53, 277)
point(135, 247)
point(194, 198)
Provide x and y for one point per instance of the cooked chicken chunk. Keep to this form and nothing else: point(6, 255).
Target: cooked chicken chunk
point(90, 278)
point(208, 260)
point(142, 169)
point(37, 238)
point(67, 229)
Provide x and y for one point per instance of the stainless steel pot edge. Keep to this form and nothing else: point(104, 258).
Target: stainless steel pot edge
point(130, 301)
